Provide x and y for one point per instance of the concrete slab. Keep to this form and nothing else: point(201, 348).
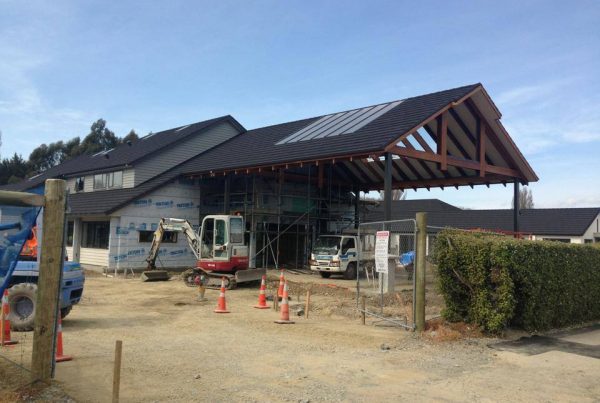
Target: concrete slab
point(589, 335)
point(592, 338)
point(583, 341)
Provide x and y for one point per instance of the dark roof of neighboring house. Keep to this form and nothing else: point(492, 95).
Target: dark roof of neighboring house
point(373, 137)
point(122, 155)
point(414, 206)
point(553, 221)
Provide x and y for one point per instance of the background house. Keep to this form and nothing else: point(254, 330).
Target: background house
point(573, 225)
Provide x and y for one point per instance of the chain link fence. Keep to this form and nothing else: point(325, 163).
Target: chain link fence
point(385, 275)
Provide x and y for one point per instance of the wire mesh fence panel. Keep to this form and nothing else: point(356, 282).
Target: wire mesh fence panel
point(385, 275)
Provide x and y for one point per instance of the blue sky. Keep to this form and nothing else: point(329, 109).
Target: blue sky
point(156, 65)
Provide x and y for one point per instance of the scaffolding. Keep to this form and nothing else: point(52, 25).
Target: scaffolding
point(285, 210)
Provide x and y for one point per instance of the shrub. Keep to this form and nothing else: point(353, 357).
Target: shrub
point(496, 281)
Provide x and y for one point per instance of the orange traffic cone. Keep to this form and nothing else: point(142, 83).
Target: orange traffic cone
point(285, 308)
point(281, 282)
point(5, 322)
point(60, 357)
point(222, 304)
point(262, 298)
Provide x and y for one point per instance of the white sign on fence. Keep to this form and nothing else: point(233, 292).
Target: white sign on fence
point(381, 251)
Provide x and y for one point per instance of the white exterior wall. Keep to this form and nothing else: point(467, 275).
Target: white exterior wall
point(572, 239)
point(593, 229)
point(88, 184)
point(175, 200)
point(128, 178)
point(96, 257)
point(93, 256)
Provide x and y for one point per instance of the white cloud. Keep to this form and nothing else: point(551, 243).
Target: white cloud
point(27, 117)
point(547, 115)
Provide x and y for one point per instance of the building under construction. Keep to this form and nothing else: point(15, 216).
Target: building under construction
point(291, 181)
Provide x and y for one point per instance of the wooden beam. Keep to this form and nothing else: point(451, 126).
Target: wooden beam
point(354, 176)
point(481, 147)
point(369, 173)
point(443, 182)
point(397, 170)
point(434, 138)
point(370, 167)
point(468, 164)
point(476, 113)
point(442, 145)
point(463, 126)
point(433, 116)
point(21, 199)
point(422, 163)
point(422, 142)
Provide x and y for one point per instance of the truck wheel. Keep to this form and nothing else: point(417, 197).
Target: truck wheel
point(65, 311)
point(21, 299)
point(350, 273)
point(324, 274)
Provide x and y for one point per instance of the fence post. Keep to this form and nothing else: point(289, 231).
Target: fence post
point(50, 270)
point(420, 271)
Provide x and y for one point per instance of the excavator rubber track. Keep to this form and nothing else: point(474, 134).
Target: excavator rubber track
point(214, 278)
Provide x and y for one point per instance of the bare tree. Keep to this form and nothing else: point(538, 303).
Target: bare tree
point(397, 194)
point(525, 198)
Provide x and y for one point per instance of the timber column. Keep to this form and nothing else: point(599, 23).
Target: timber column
point(50, 276)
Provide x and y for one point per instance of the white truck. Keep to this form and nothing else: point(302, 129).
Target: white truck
point(339, 254)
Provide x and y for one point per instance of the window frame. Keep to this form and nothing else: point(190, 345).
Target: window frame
point(95, 230)
point(147, 236)
point(107, 180)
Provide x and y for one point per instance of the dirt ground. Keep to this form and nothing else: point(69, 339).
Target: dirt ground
point(177, 349)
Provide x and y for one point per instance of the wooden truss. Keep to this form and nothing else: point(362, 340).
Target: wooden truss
point(456, 146)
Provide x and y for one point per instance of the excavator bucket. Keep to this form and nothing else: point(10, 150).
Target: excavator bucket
point(242, 276)
point(155, 275)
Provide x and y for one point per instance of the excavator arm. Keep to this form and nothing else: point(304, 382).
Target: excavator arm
point(175, 225)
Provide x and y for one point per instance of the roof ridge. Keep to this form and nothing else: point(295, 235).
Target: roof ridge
point(367, 106)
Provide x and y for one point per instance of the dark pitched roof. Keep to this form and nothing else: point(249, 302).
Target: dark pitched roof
point(414, 206)
point(373, 137)
point(259, 146)
point(123, 154)
point(556, 221)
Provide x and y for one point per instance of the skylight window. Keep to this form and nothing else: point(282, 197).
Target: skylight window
point(340, 123)
point(182, 128)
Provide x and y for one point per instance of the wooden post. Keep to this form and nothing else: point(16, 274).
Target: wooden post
point(117, 371)
point(50, 275)
point(421, 251)
point(364, 310)
point(307, 306)
point(276, 302)
point(442, 141)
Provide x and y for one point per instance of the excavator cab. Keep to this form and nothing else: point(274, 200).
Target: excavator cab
point(222, 238)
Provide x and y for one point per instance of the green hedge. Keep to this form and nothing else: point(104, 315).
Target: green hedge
point(496, 281)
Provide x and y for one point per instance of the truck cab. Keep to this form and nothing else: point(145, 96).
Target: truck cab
point(335, 254)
